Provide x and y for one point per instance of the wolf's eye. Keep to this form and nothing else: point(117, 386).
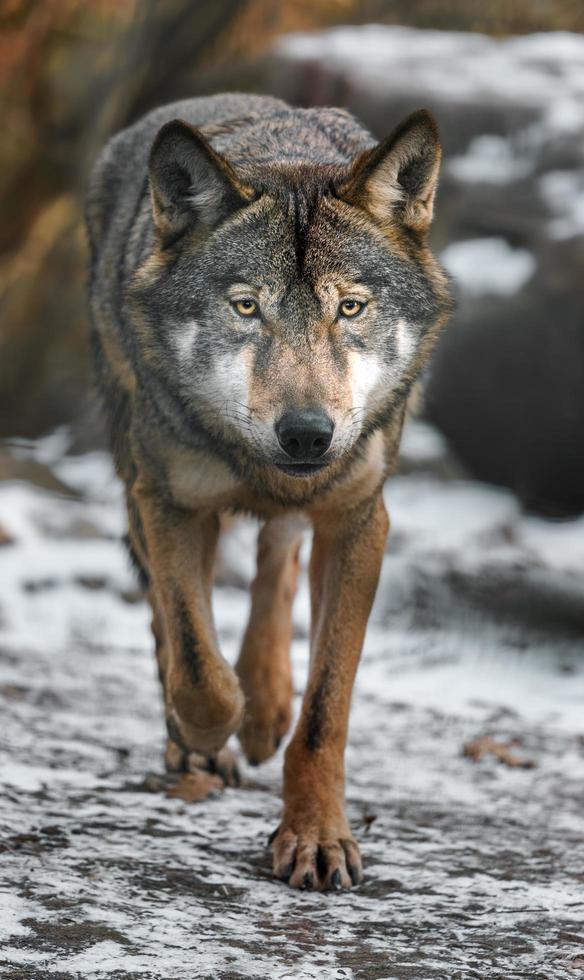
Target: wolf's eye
point(351, 307)
point(245, 307)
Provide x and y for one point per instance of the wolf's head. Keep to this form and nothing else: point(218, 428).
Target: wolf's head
point(291, 304)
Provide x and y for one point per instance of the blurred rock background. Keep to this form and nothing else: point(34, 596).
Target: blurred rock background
point(507, 85)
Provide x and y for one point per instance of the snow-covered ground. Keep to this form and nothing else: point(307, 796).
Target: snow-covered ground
point(472, 869)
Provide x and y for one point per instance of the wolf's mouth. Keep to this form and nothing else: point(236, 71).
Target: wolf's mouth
point(301, 469)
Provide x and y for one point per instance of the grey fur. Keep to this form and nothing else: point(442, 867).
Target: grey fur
point(283, 237)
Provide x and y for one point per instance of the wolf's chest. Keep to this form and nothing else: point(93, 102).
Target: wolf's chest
point(197, 479)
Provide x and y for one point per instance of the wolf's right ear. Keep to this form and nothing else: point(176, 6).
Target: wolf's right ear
point(190, 183)
point(396, 180)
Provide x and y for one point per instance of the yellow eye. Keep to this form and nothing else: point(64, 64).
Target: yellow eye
point(351, 307)
point(245, 307)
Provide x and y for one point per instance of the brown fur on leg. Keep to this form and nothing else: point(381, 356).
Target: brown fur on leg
point(223, 764)
point(313, 847)
point(203, 700)
point(264, 662)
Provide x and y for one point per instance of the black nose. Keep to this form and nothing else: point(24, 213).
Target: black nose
point(305, 433)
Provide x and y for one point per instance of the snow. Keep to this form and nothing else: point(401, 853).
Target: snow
point(421, 442)
point(477, 628)
point(489, 159)
point(488, 265)
point(563, 192)
point(538, 70)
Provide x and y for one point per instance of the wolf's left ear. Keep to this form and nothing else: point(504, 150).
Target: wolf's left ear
point(190, 182)
point(397, 179)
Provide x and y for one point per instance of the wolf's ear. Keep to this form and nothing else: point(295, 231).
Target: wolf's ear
point(190, 182)
point(397, 179)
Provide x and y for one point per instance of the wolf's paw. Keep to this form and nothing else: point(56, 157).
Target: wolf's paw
point(321, 859)
point(192, 787)
point(223, 764)
point(268, 712)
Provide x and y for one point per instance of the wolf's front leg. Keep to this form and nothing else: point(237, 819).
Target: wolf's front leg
point(203, 700)
point(313, 847)
point(264, 663)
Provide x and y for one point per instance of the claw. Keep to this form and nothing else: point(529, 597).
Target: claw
point(286, 872)
point(336, 884)
point(354, 874)
point(353, 861)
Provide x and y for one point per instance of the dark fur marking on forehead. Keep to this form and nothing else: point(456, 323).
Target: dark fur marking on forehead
point(298, 191)
point(300, 219)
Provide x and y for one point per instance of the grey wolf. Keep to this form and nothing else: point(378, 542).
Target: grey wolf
point(262, 299)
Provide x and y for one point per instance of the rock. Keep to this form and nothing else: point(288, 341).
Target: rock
point(507, 384)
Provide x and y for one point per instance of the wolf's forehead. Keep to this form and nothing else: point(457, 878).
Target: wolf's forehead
point(292, 238)
point(299, 250)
